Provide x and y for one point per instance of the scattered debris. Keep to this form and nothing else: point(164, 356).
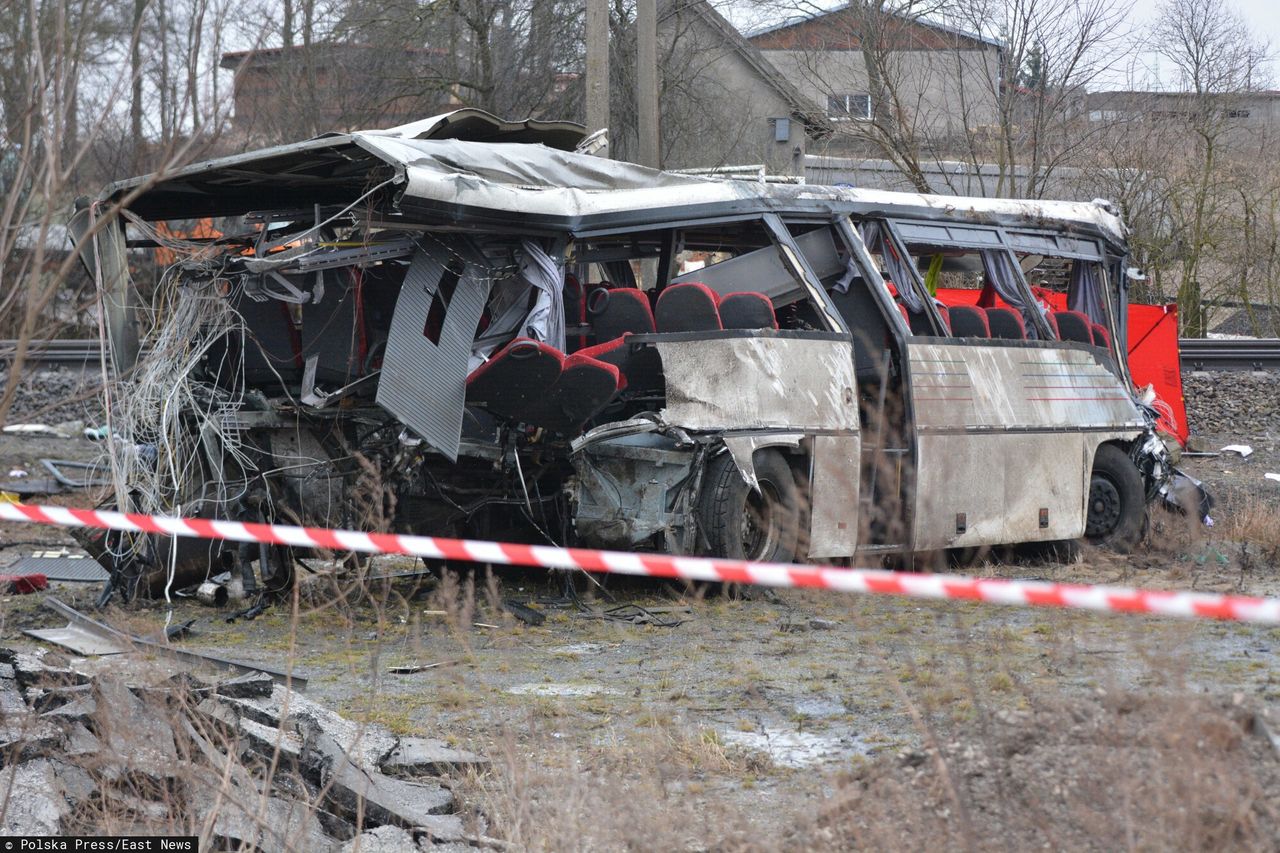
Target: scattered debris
point(17, 473)
point(61, 565)
point(22, 584)
point(32, 486)
point(297, 680)
point(56, 466)
point(1271, 476)
point(812, 624)
point(524, 613)
point(1244, 450)
point(576, 649)
point(78, 639)
point(42, 430)
point(252, 764)
point(409, 669)
point(212, 594)
point(636, 615)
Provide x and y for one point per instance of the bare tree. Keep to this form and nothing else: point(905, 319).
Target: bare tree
point(63, 88)
point(1217, 61)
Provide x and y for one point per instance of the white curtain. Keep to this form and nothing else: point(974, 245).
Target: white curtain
point(509, 315)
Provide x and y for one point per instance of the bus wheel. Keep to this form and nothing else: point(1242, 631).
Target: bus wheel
point(1117, 501)
point(743, 524)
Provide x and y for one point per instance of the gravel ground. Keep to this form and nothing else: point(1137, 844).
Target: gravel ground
point(1230, 402)
point(55, 396)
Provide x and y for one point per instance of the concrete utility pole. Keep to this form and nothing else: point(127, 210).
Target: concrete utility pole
point(647, 81)
point(597, 65)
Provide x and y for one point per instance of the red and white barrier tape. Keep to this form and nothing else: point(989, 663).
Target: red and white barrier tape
point(950, 587)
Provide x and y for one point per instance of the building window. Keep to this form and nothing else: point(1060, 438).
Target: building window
point(845, 107)
point(1237, 113)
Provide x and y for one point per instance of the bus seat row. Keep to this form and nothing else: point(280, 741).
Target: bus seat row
point(687, 307)
point(972, 321)
point(532, 382)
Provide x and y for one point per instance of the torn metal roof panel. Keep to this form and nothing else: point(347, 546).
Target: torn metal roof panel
point(533, 185)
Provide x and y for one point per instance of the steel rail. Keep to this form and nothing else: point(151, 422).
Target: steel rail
point(54, 352)
point(1214, 354)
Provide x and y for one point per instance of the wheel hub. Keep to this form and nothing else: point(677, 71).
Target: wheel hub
point(1104, 507)
point(760, 523)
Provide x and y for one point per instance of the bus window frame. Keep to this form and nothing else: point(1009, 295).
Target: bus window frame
point(1002, 244)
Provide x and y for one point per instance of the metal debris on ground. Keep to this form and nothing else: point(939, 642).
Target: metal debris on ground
point(61, 566)
point(524, 613)
point(410, 669)
point(78, 639)
point(56, 468)
point(41, 430)
point(31, 486)
point(634, 614)
point(105, 631)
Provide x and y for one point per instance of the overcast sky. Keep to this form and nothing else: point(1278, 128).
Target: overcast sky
point(1262, 16)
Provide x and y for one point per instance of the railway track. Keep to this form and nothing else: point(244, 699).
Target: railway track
point(1225, 355)
point(1197, 353)
point(55, 353)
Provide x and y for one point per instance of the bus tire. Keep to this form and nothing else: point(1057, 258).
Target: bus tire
point(741, 523)
point(1117, 509)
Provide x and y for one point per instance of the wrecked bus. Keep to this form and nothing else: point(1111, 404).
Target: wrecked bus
point(466, 327)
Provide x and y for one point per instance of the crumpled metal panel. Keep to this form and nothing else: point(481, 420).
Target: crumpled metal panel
point(833, 487)
point(625, 489)
point(743, 450)
point(759, 382)
point(425, 384)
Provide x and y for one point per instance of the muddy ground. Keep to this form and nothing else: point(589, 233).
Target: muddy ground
point(798, 718)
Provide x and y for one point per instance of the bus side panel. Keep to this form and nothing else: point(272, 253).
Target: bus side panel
point(960, 499)
point(833, 527)
point(1006, 432)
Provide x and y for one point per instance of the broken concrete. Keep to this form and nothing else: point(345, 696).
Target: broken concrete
point(419, 756)
point(354, 788)
point(270, 824)
point(81, 709)
point(80, 741)
point(42, 668)
point(36, 803)
point(132, 729)
point(267, 741)
point(383, 839)
point(367, 745)
point(250, 686)
point(150, 752)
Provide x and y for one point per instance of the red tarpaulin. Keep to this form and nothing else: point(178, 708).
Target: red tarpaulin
point(1154, 359)
point(1153, 351)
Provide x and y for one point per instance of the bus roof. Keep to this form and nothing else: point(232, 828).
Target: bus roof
point(530, 183)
